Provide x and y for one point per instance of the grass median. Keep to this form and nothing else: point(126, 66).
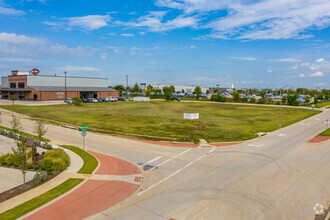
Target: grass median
point(26, 134)
point(322, 104)
point(38, 201)
point(325, 133)
point(218, 122)
point(90, 162)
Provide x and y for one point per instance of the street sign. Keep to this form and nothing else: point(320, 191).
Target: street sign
point(313, 106)
point(35, 71)
point(83, 133)
point(191, 116)
point(83, 128)
point(326, 122)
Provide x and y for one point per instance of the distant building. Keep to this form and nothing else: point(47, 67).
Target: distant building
point(41, 87)
point(187, 89)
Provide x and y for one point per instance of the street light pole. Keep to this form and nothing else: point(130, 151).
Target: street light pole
point(65, 84)
point(279, 120)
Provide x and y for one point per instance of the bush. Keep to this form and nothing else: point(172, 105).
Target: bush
point(55, 160)
point(43, 153)
point(261, 101)
point(76, 101)
point(219, 98)
point(10, 164)
point(46, 146)
point(4, 163)
point(36, 168)
point(39, 177)
point(49, 173)
point(253, 100)
point(16, 165)
point(37, 154)
point(30, 167)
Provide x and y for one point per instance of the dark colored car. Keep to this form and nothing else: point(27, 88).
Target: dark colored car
point(101, 100)
point(121, 99)
point(84, 100)
point(175, 98)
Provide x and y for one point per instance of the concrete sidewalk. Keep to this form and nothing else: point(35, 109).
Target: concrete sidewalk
point(75, 165)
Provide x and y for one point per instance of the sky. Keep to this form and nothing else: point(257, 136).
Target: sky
point(248, 43)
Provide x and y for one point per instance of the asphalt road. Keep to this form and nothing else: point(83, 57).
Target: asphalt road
point(279, 176)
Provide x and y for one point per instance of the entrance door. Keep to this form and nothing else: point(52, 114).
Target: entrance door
point(35, 97)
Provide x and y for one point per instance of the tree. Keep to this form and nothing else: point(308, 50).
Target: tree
point(136, 88)
point(292, 100)
point(197, 91)
point(307, 99)
point(236, 97)
point(262, 94)
point(149, 89)
point(13, 98)
point(20, 155)
point(120, 88)
point(168, 96)
point(166, 89)
point(16, 125)
point(76, 101)
point(39, 129)
point(182, 91)
point(219, 98)
point(172, 89)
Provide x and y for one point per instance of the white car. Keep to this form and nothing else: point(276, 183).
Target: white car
point(94, 100)
point(68, 100)
point(111, 99)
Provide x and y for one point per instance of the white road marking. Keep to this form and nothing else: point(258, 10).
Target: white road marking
point(153, 160)
point(255, 145)
point(305, 124)
point(317, 119)
point(176, 172)
point(168, 160)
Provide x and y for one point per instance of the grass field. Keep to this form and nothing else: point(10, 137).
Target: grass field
point(38, 201)
point(325, 133)
point(322, 104)
point(218, 122)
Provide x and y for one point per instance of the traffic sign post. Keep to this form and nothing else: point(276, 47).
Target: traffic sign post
point(313, 106)
point(326, 122)
point(83, 134)
point(191, 116)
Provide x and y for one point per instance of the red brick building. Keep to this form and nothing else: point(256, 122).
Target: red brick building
point(41, 87)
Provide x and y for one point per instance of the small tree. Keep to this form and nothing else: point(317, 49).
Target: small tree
point(20, 155)
point(76, 101)
point(172, 89)
point(136, 88)
point(197, 91)
point(168, 96)
point(40, 130)
point(236, 97)
point(16, 124)
point(13, 98)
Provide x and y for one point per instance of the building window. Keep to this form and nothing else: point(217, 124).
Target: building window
point(13, 85)
point(21, 85)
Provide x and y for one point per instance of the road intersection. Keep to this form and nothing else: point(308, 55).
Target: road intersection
point(279, 176)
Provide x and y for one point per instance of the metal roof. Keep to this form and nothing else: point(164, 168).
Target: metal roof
point(71, 89)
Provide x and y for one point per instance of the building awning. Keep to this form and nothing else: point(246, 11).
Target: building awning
point(71, 89)
point(14, 90)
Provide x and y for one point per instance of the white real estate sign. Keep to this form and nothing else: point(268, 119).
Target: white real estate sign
point(191, 115)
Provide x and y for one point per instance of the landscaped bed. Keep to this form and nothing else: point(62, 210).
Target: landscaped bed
point(218, 122)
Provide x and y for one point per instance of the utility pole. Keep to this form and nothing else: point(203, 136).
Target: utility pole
point(65, 83)
point(127, 85)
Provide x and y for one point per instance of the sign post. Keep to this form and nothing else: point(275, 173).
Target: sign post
point(191, 116)
point(313, 106)
point(83, 134)
point(326, 122)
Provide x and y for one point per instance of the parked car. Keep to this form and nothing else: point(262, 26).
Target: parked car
point(121, 99)
point(111, 99)
point(84, 100)
point(67, 100)
point(175, 98)
point(100, 100)
point(92, 100)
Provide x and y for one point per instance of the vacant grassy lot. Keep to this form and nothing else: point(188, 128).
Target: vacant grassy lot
point(322, 104)
point(165, 119)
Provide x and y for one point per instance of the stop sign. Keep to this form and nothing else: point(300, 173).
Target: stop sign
point(35, 71)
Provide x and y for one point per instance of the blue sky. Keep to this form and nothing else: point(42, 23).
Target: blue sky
point(248, 43)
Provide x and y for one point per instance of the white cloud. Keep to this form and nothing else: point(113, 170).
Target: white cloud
point(154, 22)
point(79, 69)
point(286, 60)
point(89, 22)
point(22, 45)
point(192, 46)
point(104, 56)
point(317, 74)
point(269, 71)
point(142, 33)
point(264, 19)
point(244, 58)
point(10, 11)
point(117, 51)
point(127, 35)
point(19, 59)
point(320, 60)
point(301, 75)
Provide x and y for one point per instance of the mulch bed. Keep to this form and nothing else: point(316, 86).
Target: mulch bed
point(21, 189)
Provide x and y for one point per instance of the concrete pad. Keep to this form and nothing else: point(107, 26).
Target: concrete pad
point(92, 197)
point(11, 178)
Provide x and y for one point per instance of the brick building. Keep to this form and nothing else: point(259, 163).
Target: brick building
point(41, 87)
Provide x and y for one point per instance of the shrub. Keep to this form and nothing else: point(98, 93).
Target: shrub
point(76, 101)
point(9, 158)
point(261, 101)
point(15, 165)
point(219, 98)
point(55, 160)
point(43, 168)
point(36, 168)
point(46, 146)
point(30, 167)
point(43, 153)
point(39, 177)
point(10, 164)
point(3, 163)
point(37, 154)
point(49, 173)
point(253, 100)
